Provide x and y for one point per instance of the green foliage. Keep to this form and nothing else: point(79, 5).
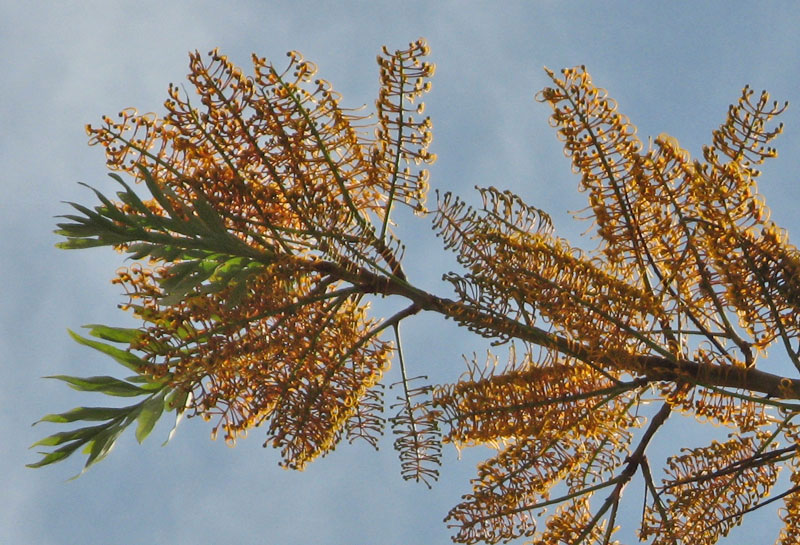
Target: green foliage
point(98, 440)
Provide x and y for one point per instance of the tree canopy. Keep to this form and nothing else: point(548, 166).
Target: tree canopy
point(267, 231)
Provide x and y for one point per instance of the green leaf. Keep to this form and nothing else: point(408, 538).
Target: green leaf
point(95, 218)
point(124, 335)
point(85, 413)
point(79, 243)
point(149, 384)
point(80, 230)
point(57, 455)
point(98, 440)
point(81, 435)
point(160, 194)
point(101, 446)
point(123, 357)
point(130, 197)
point(178, 273)
point(185, 277)
point(177, 400)
point(103, 384)
point(171, 253)
point(149, 415)
point(236, 295)
point(209, 216)
point(91, 217)
point(141, 249)
point(110, 210)
point(232, 266)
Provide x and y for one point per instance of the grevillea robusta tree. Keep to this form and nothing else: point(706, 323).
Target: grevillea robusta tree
point(267, 231)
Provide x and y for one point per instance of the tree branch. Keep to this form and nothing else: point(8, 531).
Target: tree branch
point(654, 368)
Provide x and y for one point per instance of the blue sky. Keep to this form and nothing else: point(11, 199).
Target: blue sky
point(672, 66)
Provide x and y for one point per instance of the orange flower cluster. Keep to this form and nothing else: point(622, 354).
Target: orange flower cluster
point(559, 421)
point(685, 229)
point(571, 523)
point(790, 514)
point(416, 428)
point(277, 155)
point(709, 489)
point(525, 399)
point(605, 151)
point(469, 233)
point(303, 368)
point(689, 270)
point(395, 105)
point(262, 316)
point(518, 268)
